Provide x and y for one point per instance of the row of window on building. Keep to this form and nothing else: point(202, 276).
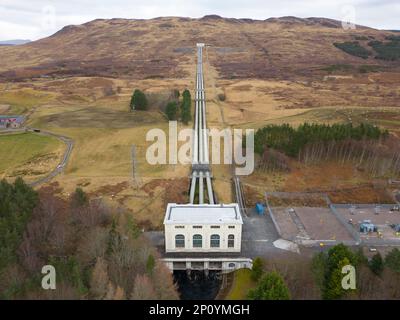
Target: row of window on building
point(201, 227)
point(197, 241)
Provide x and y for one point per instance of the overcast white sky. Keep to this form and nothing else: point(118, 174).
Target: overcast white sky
point(34, 19)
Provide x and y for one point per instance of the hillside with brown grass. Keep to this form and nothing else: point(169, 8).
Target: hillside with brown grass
point(79, 83)
point(162, 48)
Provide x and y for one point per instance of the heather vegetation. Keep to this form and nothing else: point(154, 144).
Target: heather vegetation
point(366, 68)
point(348, 68)
point(362, 38)
point(98, 252)
point(341, 67)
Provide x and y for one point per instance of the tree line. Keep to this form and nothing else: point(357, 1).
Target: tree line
point(291, 140)
point(376, 158)
point(365, 145)
point(354, 48)
point(16, 204)
point(321, 276)
point(388, 50)
point(376, 278)
point(175, 108)
point(98, 252)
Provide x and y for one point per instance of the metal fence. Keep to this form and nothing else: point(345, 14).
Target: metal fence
point(352, 231)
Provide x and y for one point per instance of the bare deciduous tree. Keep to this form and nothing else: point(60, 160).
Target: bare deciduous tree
point(99, 280)
point(143, 289)
point(163, 282)
point(93, 245)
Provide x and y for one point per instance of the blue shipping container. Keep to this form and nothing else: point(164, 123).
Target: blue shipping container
point(260, 208)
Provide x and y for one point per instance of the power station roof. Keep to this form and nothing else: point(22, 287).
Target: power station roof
point(203, 214)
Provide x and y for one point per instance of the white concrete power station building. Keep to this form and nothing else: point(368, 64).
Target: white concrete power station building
point(203, 228)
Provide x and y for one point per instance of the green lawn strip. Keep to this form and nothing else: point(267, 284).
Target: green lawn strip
point(241, 285)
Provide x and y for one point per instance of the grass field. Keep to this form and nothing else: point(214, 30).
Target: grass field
point(102, 127)
point(241, 285)
point(20, 101)
point(28, 153)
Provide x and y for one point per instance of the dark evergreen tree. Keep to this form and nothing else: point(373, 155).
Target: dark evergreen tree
point(327, 268)
point(376, 264)
point(257, 269)
point(392, 260)
point(334, 288)
point(171, 110)
point(186, 107)
point(270, 287)
point(79, 198)
point(138, 101)
point(17, 202)
point(176, 94)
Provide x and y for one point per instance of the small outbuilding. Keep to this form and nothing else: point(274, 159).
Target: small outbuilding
point(12, 122)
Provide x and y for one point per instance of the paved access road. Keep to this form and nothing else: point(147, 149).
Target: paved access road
point(64, 161)
point(258, 235)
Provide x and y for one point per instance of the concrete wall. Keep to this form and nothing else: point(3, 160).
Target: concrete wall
point(278, 230)
point(226, 264)
point(206, 231)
